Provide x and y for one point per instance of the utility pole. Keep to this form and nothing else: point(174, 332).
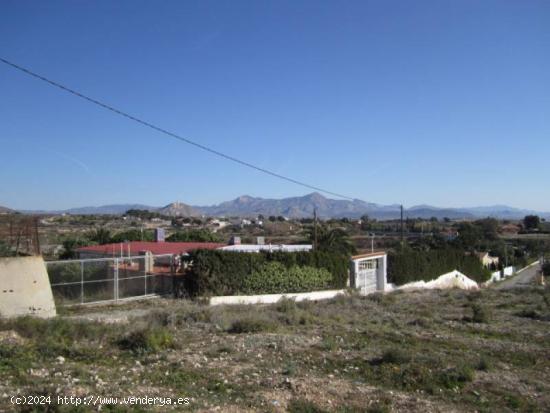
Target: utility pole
point(401, 224)
point(315, 228)
point(371, 242)
point(506, 254)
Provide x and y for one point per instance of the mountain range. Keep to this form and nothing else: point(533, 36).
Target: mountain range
point(304, 206)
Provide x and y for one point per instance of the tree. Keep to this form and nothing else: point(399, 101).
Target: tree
point(100, 235)
point(194, 235)
point(531, 222)
point(469, 235)
point(332, 240)
point(133, 235)
point(143, 214)
point(489, 228)
point(365, 223)
point(546, 269)
point(70, 245)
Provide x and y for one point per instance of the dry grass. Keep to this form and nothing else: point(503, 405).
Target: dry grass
point(417, 351)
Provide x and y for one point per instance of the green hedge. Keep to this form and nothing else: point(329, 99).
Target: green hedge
point(274, 278)
point(410, 265)
point(217, 272)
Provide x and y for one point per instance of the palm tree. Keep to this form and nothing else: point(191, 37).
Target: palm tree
point(333, 240)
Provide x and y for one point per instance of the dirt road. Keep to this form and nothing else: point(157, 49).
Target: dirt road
point(521, 279)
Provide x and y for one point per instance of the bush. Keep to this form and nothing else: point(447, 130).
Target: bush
point(147, 340)
point(480, 314)
point(484, 364)
point(251, 325)
point(217, 272)
point(303, 406)
point(395, 356)
point(455, 377)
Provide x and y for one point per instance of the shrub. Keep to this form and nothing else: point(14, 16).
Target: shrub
point(484, 364)
point(303, 406)
point(251, 325)
point(480, 314)
point(455, 377)
point(286, 305)
point(395, 356)
point(147, 340)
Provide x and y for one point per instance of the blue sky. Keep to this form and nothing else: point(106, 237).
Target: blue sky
point(426, 102)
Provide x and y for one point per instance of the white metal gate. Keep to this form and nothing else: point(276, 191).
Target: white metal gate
point(366, 280)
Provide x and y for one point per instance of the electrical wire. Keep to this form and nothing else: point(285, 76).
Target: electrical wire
point(171, 134)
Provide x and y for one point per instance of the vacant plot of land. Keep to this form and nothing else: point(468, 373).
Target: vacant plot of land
point(418, 351)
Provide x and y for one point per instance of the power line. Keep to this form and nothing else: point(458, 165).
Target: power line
point(166, 132)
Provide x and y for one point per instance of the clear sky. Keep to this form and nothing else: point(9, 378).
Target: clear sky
point(416, 102)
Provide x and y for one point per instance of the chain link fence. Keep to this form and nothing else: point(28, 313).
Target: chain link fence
point(85, 281)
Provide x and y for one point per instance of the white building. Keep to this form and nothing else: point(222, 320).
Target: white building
point(368, 272)
point(267, 247)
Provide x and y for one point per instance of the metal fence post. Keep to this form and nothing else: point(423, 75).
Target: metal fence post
point(115, 284)
point(145, 264)
point(81, 282)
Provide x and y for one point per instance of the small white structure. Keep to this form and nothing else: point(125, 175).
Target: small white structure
point(369, 272)
point(25, 288)
point(267, 247)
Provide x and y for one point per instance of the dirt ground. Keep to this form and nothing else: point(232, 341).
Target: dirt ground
point(424, 351)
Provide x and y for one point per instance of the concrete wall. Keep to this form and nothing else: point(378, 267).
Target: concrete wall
point(25, 288)
point(273, 298)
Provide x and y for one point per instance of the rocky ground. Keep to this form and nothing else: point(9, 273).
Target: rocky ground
point(429, 351)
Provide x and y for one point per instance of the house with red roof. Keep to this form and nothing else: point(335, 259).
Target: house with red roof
point(134, 248)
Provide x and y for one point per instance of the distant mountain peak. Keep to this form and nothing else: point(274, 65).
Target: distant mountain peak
point(245, 198)
point(178, 209)
point(6, 210)
point(315, 197)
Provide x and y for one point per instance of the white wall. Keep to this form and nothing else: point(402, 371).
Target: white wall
point(273, 298)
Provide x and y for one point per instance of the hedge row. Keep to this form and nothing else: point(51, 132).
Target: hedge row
point(274, 278)
point(215, 272)
point(410, 265)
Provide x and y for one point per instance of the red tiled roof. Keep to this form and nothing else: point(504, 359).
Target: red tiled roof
point(155, 247)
